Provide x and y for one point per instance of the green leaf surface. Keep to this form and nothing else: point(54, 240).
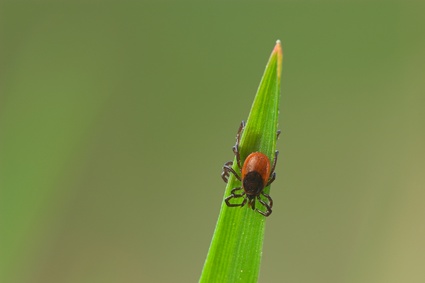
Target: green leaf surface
point(236, 247)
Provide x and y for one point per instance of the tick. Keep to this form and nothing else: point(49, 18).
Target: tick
point(256, 174)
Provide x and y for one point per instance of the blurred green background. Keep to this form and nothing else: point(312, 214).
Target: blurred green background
point(116, 118)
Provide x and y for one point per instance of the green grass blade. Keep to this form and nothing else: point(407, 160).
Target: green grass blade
point(236, 247)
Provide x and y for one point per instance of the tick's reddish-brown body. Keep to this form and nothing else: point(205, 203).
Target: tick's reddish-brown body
point(256, 174)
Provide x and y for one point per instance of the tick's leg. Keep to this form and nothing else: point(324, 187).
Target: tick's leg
point(233, 191)
point(268, 206)
point(238, 156)
point(240, 131)
point(269, 198)
point(227, 200)
point(273, 174)
point(271, 179)
point(227, 169)
point(236, 147)
point(276, 153)
point(266, 213)
point(234, 195)
point(225, 173)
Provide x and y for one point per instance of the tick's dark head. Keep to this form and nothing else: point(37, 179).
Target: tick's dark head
point(251, 201)
point(253, 184)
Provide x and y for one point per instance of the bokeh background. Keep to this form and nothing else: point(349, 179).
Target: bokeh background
point(116, 118)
